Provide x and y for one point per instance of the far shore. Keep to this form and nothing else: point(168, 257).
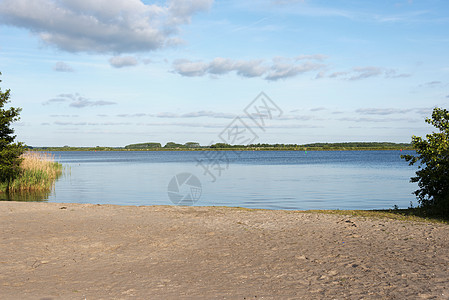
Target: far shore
point(218, 149)
point(87, 251)
point(191, 146)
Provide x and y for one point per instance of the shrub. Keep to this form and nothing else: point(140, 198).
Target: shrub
point(433, 170)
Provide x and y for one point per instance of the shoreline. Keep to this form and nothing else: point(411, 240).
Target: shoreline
point(400, 214)
point(62, 250)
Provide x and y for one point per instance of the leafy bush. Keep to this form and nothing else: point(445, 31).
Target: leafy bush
point(433, 170)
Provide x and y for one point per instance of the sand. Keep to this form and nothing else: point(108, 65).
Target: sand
point(81, 251)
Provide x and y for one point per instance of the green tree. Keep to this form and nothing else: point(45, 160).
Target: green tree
point(143, 146)
point(220, 145)
point(433, 170)
point(192, 145)
point(9, 151)
point(173, 145)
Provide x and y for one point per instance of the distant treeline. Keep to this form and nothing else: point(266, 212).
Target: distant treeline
point(172, 146)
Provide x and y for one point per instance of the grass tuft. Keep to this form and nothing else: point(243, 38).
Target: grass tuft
point(38, 173)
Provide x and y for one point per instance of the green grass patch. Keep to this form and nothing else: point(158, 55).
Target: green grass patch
point(409, 214)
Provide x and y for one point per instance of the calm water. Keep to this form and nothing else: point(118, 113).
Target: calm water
point(253, 179)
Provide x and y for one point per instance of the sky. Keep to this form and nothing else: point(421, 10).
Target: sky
point(116, 72)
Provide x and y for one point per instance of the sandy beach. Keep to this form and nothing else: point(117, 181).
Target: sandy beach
point(83, 251)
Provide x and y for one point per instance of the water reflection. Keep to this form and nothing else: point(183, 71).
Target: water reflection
point(36, 196)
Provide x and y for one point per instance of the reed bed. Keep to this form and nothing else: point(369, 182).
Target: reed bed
point(38, 173)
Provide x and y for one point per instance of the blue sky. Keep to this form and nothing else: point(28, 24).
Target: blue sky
point(115, 72)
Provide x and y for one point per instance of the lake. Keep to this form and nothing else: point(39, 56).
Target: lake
point(252, 179)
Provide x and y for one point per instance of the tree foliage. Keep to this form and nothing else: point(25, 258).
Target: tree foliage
point(9, 151)
point(192, 145)
point(173, 145)
point(433, 170)
point(143, 146)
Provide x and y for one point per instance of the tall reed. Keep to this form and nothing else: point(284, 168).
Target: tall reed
point(38, 173)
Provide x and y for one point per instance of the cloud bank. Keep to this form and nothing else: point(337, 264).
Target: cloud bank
point(102, 26)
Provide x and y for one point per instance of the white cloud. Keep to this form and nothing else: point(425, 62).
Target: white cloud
point(138, 115)
point(60, 123)
point(64, 116)
point(382, 111)
point(189, 68)
point(311, 57)
point(182, 10)
point(209, 114)
point(83, 102)
point(220, 126)
point(278, 68)
point(358, 73)
point(216, 115)
point(286, 70)
point(365, 72)
point(75, 100)
point(62, 67)
point(197, 114)
point(102, 26)
point(379, 120)
point(297, 118)
point(123, 61)
point(318, 108)
point(250, 68)
point(167, 115)
point(393, 74)
point(432, 84)
point(391, 111)
point(338, 74)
